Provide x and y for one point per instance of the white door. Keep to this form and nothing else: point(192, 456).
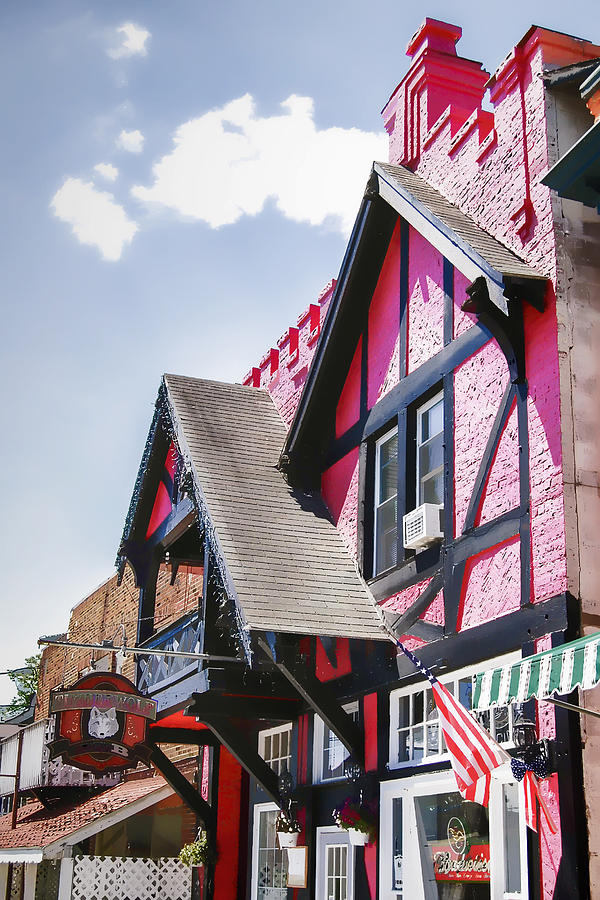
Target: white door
point(269, 863)
point(335, 865)
point(436, 846)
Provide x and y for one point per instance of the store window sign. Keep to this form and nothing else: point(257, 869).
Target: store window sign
point(457, 838)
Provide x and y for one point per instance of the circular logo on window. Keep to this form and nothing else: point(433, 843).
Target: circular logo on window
point(457, 836)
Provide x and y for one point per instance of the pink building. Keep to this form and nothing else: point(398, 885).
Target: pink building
point(417, 457)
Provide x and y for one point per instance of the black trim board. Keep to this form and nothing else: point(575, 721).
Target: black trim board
point(492, 638)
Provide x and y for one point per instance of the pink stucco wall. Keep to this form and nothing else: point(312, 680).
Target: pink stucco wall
point(425, 301)
point(502, 489)
point(479, 384)
point(348, 408)
point(491, 586)
point(384, 315)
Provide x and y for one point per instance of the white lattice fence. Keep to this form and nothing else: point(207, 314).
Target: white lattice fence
point(118, 878)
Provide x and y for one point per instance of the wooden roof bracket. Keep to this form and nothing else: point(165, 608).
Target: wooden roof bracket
point(507, 328)
point(184, 789)
point(283, 650)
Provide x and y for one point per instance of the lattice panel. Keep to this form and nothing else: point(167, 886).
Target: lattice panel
point(154, 670)
point(46, 885)
point(16, 885)
point(117, 878)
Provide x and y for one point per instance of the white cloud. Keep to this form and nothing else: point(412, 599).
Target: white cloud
point(94, 216)
point(132, 41)
point(131, 141)
point(228, 162)
point(107, 171)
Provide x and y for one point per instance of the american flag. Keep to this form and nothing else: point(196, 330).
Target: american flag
point(474, 754)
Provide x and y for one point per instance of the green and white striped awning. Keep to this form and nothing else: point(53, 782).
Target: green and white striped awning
point(557, 671)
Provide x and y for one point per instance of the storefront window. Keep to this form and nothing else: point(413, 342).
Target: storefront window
point(436, 846)
point(455, 846)
point(415, 733)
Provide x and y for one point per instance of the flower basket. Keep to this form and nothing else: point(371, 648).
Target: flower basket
point(288, 830)
point(358, 819)
point(287, 838)
point(198, 853)
point(358, 838)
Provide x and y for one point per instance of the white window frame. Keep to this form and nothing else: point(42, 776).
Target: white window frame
point(258, 809)
point(318, 746)
point(420, 410)
point(421, 687)
point(376, 505)
point(408, 789)
point(340, 837)
point(269, 732)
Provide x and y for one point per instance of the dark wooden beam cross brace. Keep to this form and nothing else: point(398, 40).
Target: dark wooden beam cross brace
point(507, 329)
point(317, 694)
point(184, 789)
point(234, 740)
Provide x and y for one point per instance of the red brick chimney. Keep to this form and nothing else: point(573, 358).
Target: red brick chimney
point(437, 82)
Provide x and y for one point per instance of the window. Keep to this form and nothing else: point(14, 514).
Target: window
point(269, 863)
point(415, 733)
point(386, 502)
point(330, 755)
point(430, 452)
point(275, 747)
point(434, 845)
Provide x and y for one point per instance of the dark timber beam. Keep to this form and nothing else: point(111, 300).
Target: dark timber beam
point(276, 709)
point(164, 735)
point(243, 750)
point(184, 789)
point(506, 329)
point(317, 694)
point(401, 624)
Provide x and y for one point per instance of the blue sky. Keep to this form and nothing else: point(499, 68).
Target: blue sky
point(232, 142)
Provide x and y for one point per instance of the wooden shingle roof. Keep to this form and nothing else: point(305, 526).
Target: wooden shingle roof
point(288, 564)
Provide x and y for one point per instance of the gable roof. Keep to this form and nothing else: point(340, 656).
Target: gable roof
point(394, 191)
point(38, 827)
point(287, 564)
point(455, 234)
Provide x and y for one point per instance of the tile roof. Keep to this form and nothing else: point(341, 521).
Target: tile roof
point(289, 567)
point(455, 220)
point(37, 827)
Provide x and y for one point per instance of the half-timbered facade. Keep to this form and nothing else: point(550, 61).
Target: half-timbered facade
point(412, 460)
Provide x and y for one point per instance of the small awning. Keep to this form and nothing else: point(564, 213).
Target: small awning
point(557, 671)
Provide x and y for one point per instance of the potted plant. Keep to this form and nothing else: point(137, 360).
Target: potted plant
point(198, 853)
point(287, 830)
point(358, 820)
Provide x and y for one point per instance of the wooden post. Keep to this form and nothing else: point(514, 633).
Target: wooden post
point(66, 874)
point(13, 821)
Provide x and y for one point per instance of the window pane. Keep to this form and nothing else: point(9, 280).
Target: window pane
point(455, 846)
point(388, 469)
point(432, 489)
point(403, 746)
point(417, 708)
point(387, 535)
point(417, 743)
point(465, 692)
point(432, 420)
point(403, 708)
point(431, 455)
point(397, 844)
point(512, 848)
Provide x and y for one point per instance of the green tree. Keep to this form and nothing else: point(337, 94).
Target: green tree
point(25, 681)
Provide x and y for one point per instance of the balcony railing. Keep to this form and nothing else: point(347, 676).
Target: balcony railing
point(158, 673)
point(37, 770)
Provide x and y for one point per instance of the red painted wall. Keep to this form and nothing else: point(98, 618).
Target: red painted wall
point(228, 827)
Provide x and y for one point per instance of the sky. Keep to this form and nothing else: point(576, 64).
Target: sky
point(179, 181)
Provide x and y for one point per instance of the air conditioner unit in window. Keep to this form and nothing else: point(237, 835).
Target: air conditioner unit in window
point(422, 526)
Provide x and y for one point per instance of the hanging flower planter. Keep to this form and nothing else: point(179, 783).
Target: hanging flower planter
point(288, 830)
point(199, 853)
point(358, 819)
point(358, 838)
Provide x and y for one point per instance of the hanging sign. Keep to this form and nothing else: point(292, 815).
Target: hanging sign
point(458, 859)
point(101, 723)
